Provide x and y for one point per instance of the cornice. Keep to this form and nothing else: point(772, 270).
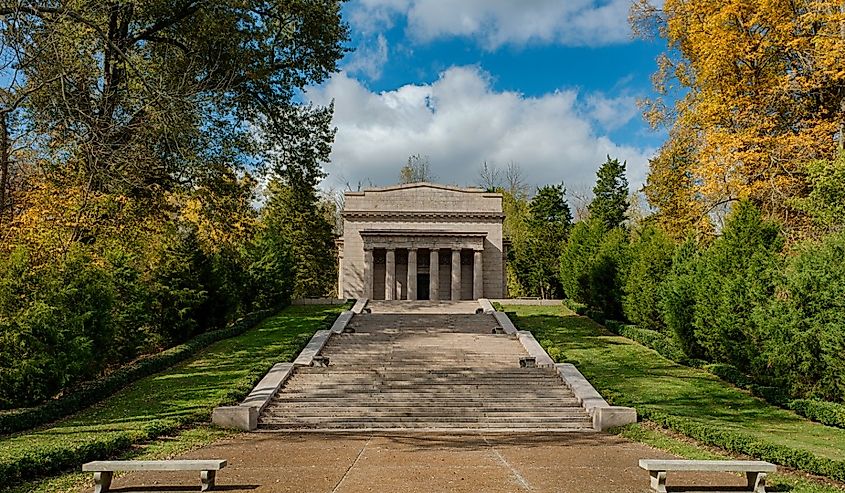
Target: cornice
point(399, 215)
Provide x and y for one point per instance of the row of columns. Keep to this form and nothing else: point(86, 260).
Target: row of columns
point(433, 274)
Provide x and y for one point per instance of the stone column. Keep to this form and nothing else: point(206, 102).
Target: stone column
point(456, 274)
point(434, 275)
point(368, 273)
point(412, 273)
point(477, 276)
point(390, 274)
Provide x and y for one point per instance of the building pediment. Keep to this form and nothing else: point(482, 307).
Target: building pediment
point(423, 199)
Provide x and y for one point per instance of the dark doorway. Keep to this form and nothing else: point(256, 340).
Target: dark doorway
point(422, 286)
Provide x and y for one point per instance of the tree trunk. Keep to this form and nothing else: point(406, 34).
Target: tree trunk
point(4, 163)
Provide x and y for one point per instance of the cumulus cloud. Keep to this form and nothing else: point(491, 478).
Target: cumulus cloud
point(459, 121)
point(494, 23)
point(369, 58)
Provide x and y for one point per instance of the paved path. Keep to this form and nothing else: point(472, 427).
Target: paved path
point(418, 462)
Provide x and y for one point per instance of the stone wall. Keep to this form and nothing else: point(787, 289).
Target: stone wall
point(422, 207)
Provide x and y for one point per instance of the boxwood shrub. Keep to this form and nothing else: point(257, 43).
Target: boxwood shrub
point(742, 443)
point(579, 308)
point(90, 393)
point(826, 413)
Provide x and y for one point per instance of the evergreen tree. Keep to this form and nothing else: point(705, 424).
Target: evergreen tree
point(611, 194)
point(549, 224)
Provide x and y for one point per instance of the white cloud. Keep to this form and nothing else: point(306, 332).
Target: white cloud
point(369, 58)
point(460, 121)
point(494, 23)
point(612, 112)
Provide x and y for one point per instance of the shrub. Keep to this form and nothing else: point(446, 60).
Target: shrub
point(827, 413)
point(94, 391)
point(742, 443)
point(736, 278)
point(651, 259)
point(578, 308)
point(607, 273)
point(665, 346)
point(577, 259)
point(803, 325)
point(677, 298)
point(728, 373)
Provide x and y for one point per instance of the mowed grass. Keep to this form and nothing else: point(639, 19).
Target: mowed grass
point(159, 404)
point(633, 375)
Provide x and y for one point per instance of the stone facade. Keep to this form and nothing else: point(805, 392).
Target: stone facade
point(422, 242)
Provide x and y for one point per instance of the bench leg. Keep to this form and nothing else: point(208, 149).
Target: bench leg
point(658, 481)
point(102, 481)
point(756, 482)
point(207, 480)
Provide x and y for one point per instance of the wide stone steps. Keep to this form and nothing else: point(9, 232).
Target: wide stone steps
point(428, 371)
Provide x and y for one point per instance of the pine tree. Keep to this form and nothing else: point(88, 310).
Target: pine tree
point(611, 194)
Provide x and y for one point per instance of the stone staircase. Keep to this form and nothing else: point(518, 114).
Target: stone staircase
point(424, 371)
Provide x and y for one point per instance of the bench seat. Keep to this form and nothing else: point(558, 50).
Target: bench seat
point(755, 470)
point(103, 469)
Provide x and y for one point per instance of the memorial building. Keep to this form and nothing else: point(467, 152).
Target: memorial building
point(422, 241)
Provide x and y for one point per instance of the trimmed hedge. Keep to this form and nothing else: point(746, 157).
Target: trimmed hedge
point(46, 461)
point(728, 373)
point(90, 393)
point(826, 413)
point(663, 344)
point(745, 444)
point(578, 308)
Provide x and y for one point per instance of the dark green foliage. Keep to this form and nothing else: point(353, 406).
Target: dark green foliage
point(592, 267)
point(805, 323)
point(827, 413)
point(677, 298)
point(736, 278)
point(650, 261)
point(94, 391)
point(652, 339)
point(728, 373)
point(185, 394)
point(549, 223)
point(578, 308)
point(610, 200)
point(743, 443)
point(577, 259)
point(607, 274)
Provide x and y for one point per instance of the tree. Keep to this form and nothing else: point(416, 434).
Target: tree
point(489, 176)
point(418, 169)
point(651, 259)
point(610, 194)
point(549, 223)
point(760, 86)
point(141, 98)
point(825, 203)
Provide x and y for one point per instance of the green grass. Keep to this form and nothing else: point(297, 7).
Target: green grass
point(660, 439)
point(632, 375)
point(160, 448)
point(163, 403)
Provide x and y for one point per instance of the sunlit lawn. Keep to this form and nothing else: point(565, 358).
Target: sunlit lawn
point(182, 395)
point(637, 376)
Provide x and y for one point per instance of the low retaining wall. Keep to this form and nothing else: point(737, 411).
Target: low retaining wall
point(319, 301)
point(528, 301)
point(604, 415)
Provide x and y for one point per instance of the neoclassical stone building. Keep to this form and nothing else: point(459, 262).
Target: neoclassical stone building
point(422, 241)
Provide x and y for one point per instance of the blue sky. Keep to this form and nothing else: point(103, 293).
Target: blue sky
point(549, 84)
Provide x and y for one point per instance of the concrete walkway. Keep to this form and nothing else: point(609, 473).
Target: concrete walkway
point(415, 462)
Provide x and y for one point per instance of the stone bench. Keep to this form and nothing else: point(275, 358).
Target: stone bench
point(755, 471)
point(103, 470)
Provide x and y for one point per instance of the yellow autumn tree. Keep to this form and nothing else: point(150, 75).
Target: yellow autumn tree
point(756, 86)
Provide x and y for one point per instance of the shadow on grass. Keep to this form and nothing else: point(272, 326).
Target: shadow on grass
point(633, 375)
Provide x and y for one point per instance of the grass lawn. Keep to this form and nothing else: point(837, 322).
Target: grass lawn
point(652, 435)
point(162, 403)
point(632, 375)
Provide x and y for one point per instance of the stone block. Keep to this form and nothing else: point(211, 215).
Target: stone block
point(528, 362)
point(235, 417)
point(605, 418)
